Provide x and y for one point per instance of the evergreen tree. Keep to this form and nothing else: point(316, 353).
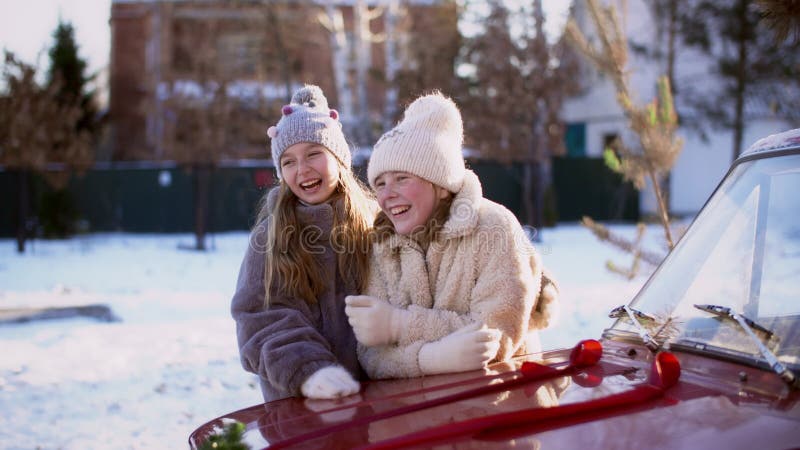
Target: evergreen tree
point(68, 71)
point(66, 76)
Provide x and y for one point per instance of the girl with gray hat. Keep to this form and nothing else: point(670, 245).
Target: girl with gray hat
point(308, 251)
point(454, 282)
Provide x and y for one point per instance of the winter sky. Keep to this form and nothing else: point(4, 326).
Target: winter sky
point(26, 28)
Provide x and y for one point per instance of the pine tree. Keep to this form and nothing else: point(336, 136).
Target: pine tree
point(68, 70)
point(66, 75)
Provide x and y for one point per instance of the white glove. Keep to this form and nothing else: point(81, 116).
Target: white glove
point(468, 348)
point(375, 321)
point(329, 382)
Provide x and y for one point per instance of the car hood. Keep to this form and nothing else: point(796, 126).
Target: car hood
point(608, 404)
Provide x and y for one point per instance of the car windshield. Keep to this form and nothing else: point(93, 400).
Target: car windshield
point(743, 253)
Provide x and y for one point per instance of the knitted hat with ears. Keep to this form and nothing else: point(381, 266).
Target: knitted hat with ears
point(308, 119)
point(426, 143)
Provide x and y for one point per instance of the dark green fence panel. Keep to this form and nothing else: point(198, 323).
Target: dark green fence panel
point(159, 197)
point(502, 183)
point(586, 187)
point(8, 203)
point(148, 199)
point(236, 196)
point(581, 186)
point(134, 200)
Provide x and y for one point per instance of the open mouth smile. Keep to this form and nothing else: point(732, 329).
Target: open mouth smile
point(398, 210)
point(310, 185)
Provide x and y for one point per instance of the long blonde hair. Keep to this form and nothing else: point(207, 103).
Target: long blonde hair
point(291, 267)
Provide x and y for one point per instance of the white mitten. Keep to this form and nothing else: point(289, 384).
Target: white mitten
point(375, 321)
point(468, 348)
point(329, 382)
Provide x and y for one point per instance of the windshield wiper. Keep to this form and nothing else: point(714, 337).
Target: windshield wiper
point(636, 317)
point(750, 328)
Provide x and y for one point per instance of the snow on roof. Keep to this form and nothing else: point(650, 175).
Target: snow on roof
point(779, 141)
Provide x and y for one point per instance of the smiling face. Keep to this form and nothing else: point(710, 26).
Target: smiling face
point(408, 200)
point(310, 171)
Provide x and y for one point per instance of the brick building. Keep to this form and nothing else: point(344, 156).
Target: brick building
point(202, 79)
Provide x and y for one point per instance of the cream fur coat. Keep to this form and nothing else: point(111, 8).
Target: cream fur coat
point(482, 268)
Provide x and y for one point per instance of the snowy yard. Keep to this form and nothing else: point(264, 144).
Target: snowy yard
point(171, 363)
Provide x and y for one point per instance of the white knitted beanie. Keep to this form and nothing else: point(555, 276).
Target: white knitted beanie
point(308, 119)
point(426, 143)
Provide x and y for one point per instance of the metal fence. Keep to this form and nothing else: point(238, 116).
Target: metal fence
point(157, 197)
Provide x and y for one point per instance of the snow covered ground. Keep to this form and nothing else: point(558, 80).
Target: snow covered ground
point(171, 362)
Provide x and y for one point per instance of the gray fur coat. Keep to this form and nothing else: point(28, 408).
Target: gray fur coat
point(290, 340)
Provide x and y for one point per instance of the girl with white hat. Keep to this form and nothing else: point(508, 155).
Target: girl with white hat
point(454, 281)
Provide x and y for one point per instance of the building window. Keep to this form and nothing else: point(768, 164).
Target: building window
point(575, 138)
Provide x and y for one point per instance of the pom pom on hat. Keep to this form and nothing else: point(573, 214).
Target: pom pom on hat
point(311, 96)
point(308, 119)
point(426, 143)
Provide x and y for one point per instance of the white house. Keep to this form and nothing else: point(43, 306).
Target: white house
point(595, 117)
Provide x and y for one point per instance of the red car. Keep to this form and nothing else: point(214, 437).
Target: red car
point(705, 356)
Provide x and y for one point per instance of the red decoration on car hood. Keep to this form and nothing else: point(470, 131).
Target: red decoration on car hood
point(664, 374)
point(584, 354)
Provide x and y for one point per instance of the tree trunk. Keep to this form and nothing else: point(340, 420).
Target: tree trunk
point(540, 183)
point(741, 80)
point(202, 187)
point(363, 47)
point(23, 204)
point(390, 20)
point(527, 193)
point(533, 187)
point(672, 31)
point(340, 61)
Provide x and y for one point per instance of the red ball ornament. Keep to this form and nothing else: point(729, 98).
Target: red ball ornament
point(286, 110)
point(334, 114)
